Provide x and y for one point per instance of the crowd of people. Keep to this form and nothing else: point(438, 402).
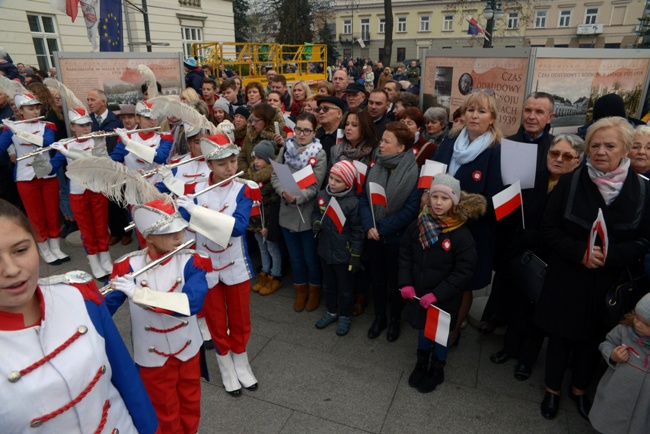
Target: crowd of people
point(326, 185)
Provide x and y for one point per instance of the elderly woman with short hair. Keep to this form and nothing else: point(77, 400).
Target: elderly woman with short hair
point(640, 153)
point(571, 307)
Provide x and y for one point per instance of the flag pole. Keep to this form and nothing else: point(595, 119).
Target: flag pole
point(523, 219)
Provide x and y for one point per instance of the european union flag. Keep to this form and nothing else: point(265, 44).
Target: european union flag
point(110, 26)
point(472, 29)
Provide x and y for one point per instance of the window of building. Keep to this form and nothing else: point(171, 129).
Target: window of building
point(513, 20)
point(365, 29)
point(191, 35)
point(424, 23)
point(447, 23)
point(382, 25)
point(381, 54)
point(590, 15)
point(401, 54)
point(401, 24)
point(561, 45)
point(540, 19)
point(565, 18)
point(347, 27)
point(45, 38)
point(613, 45)
point(586, 45)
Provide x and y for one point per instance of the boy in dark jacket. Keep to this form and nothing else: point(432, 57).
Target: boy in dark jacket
point(340, 244)
point(437, 257)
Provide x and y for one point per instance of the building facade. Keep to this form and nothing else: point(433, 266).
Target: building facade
point(33, 31)
point(419, 25)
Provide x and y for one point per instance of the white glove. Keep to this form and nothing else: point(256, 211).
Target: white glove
point(124, 284)
point(9, 124)
point(59, 147)
point(41, 165)
point(165, 171)
point(186, 202)
point(121, 132)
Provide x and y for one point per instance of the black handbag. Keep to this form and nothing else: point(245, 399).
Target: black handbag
point(624, 295)
point(526, 271)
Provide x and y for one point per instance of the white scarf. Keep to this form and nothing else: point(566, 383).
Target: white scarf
point(609, 184)
point(466, 151)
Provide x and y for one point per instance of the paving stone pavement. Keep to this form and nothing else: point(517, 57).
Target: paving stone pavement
point(312, 381)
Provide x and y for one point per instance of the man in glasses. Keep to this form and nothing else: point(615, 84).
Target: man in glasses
point(329, 114)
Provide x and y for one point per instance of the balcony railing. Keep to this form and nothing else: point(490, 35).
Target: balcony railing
point(347, 39)
point(190, 3)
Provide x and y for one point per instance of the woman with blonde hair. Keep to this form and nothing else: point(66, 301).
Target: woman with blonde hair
point(640, 153)
point(188, 95)
point(300, 91)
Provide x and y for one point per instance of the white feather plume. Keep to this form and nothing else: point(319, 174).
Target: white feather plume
point(117, 182)
point(169, 107)
point(12, 87)
point(150, 79)
point(70, 98)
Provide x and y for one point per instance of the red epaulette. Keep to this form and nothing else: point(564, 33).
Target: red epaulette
point(254, 194)
point(51, 126)
point(202, 262)
point(121, 268)
point(190, 187)
point(89, 291)
point(167, 137)
point(175, 160)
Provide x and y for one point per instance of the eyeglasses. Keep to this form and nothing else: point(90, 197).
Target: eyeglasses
point(253, 120)
point(303, 131)
point(485, 91)
point(566, 157)
point(325, 109)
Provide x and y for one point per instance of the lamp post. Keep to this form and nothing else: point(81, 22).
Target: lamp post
point(491, 13)
point(352, 5)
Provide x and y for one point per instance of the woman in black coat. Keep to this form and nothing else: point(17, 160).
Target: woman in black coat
point(571, 308)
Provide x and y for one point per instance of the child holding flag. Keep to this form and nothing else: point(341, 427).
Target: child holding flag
point(437, 257)
point(336, 220)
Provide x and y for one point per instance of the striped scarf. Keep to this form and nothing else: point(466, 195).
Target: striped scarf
point(431, 226)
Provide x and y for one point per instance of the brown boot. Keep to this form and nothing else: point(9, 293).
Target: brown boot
point(314, 297)
point(360, 304)
point(272, 285)
point(261, 281)
point(301, 297)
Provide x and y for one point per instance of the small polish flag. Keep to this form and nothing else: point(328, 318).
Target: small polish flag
point(362, 169)
point(598, 228)
point(428, 171)
point(305, 177)
point(335, 212)
point(377, 194)
point(339, 136)
point(507, 201)
point(255, 209)
point(436, 327)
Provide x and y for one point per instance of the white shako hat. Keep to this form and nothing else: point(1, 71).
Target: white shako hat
point(218, 147)
point(143, 108)
point(158, 217)
point(191, 130)
point(25, 99)
point(79, 116)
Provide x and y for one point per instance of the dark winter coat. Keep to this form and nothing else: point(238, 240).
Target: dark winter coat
point(270, 203)
point(333, 247)
point(194, 79)
point(572, 302)
point(481, 176)
point(443, 269)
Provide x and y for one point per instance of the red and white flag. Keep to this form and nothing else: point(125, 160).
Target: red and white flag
point(340, 133)
point(377, 194)
point(255, 209)
point(598, 228)
point(428, 171)
point(305, 177)
point(68, 7)
point(507, 201)
point(335, 212)
point(362, 169)
point(436, 327)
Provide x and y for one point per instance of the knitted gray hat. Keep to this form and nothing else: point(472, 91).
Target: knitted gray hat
point(223, 104)
point(264, 150)
point(643, 308)
point(446, 184)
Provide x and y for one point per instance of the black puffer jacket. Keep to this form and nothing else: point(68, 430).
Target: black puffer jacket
point(333, 247)
point(444, 269)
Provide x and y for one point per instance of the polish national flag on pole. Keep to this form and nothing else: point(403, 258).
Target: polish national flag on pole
point(362, 169)
point(377, 194)
point(340, 133)
point(598, 228)
point(68, 7)
point(436, 327)
point(507, 201)
point(305, 177)
point(335, 212)
point(428, 171)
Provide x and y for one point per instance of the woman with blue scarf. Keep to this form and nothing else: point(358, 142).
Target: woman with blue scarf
point(473, 156)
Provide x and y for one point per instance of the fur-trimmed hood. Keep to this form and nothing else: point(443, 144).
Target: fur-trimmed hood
point(471, 206)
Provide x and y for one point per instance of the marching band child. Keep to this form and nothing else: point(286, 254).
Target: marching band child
point(166, 347)
point(90, 208)
point(40, 196)
point(222, 214)
point(64, 365)
point(339, 250)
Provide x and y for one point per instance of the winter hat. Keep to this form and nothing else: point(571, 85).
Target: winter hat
point(346, 171)
point(190, 63)
point(643, 308)
point(264, 150)
point(446, 184)
point(158, 217)
point(244, 111)
point(356, 88)
point(127, 109)
point(222, 104)
point(609, 105)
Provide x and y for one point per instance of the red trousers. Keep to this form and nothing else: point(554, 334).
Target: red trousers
point(90, 210)
point(41, 201)
point(227, 308)
point(175, 392)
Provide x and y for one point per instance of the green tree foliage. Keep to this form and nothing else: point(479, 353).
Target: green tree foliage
point(326, 37)
point(295, 20)
point(242, 22)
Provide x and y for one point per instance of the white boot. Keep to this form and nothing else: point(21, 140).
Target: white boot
point(96, 268)
point(46, 253)
point(228, 374)
point(106, 261)
point(55, 247)
point(244, 371)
